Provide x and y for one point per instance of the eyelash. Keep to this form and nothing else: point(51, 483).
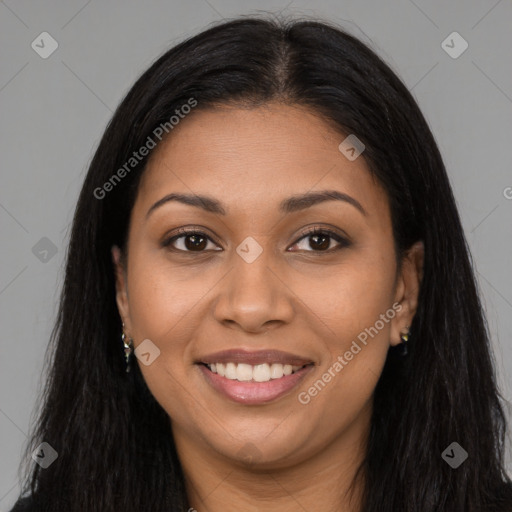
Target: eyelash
point(343, 242)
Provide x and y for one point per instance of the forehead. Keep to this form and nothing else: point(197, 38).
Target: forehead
point(251, 158)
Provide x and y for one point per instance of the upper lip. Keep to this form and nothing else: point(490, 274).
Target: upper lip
point(254, 357)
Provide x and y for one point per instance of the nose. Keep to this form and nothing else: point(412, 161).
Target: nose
point(254, 297)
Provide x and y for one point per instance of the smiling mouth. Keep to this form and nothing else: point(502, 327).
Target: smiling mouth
point(254, 377)
point(257, 384)
point(243, 372)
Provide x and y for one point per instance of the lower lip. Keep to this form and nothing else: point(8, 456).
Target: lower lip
point(254, 392)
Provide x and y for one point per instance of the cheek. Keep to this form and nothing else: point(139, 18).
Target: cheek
point(354, 305)
point(162, 297)
point(165, 305)
point(351, 296)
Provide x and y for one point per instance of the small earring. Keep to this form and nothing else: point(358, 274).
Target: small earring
point(405, 338)
point(128, 349)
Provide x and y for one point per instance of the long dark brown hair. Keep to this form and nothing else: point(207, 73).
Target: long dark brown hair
point(114, 441)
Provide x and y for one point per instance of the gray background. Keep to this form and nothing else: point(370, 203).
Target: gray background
point(54, 110)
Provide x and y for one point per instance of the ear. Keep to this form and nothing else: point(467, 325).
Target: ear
point(407, 290)
point(121, 288)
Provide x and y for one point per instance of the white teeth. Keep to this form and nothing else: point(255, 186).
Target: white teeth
point(258, 373)
point(231, 371)
point(276, 371)
point(261, 373)
point(244, 372)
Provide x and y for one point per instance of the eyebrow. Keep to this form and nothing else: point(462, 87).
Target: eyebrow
point(290, 205)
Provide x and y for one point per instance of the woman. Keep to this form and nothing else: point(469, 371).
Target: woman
point(269, 301)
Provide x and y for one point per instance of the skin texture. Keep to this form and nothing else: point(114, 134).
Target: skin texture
point(294, 297)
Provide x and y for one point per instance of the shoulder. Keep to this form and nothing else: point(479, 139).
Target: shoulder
point(25, 505)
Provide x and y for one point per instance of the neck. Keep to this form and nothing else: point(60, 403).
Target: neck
point(323, 480)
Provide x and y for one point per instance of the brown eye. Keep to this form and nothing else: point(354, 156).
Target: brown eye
point(195, 242)
point(319, 240)
point(192, 241)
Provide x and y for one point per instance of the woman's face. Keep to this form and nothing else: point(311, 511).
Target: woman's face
point(256, 295)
